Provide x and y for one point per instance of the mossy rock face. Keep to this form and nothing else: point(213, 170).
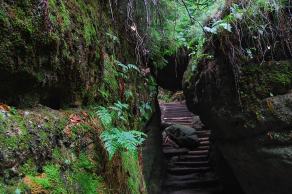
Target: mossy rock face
point(45, 151)
point(259, 81)
point(50, 52)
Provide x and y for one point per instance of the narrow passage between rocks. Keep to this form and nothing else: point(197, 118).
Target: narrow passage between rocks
point(188, 170)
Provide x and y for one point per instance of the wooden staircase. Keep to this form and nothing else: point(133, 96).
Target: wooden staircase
point(188, 171)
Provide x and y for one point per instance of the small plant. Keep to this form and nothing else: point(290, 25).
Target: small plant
point(51, 179)
point(89, 183)
point(217, 26)
point(104, 115)
point(118, 140)
point(119, 110)
point(145, 110)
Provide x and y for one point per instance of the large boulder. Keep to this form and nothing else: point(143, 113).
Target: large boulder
point(182, 135)
point(245, 98)
point(54, 52)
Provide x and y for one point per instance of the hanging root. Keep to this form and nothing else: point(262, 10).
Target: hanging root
point(260, 32)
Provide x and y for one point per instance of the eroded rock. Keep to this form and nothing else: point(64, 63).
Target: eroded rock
point(182, 135)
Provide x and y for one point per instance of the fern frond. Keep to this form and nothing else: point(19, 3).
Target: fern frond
point(104, 115)
point(118, 140)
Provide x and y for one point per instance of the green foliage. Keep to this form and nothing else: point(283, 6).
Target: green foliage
point(116, 112)
point(265, 80)
point(89, 32)
point(84, 162)
point(2, 188)
point(28, 168)
point(65, 15)
point(119, 111)
point(181, 25)
point(218, 25)
point(145, 110)
point(129, 67)
point(104, 115)
point(52, 180)
point(88, 182)
point(118, 140)
point(110, 85)
point(13, 131)
point(130, 162)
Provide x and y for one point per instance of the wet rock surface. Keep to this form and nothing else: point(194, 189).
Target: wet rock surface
point(54, 52)
point(247, 106)
point(253, 138)
point(182, 135)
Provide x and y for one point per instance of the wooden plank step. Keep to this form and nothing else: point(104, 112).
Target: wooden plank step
point(175, 151)
point(203, 157)
point(216, 190)
point(198, 152)
point(202, 147)
point(178, 117)
point(205, 143)
point(204, 139)
point(187, 170)
point(191, 184)
point(192, 163)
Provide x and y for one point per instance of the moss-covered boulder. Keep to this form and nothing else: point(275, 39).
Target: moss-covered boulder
point(242, 92)
point(47, 151)
point(52, 52)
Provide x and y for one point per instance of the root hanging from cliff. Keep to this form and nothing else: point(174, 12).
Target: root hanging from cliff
point(259, 32)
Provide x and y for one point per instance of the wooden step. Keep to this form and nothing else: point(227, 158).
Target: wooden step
point(203, 157)
point(191, 184)
point(202, 147)
point(204, 139)
point(175, 151)
point(187, 170)
point(198, 152)
point(204, 143)
point(216, 190)
point(192, 163)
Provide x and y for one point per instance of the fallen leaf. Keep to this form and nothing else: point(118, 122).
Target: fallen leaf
point(75, 119)
point(4, 107)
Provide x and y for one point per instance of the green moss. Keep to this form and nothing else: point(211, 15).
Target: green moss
point(131, 165)
point(109, 90)
point(13, 132)
point(7, 189)
point(28, 168)
point(89, 183)
point(89, 32)
point(24, 20)
point(84, 162)
point(65, 15)
point(2, 188)
point(52, 179)
point(3, 16)
point(264, 80)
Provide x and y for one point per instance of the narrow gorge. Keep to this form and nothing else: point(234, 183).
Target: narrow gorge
point(146, 96)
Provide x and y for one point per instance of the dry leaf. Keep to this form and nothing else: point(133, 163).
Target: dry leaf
point(4, 107)
point(75, 119)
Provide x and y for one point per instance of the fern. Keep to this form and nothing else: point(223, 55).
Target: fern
point(129, 67)
point(118, 140)
point(119, 110)
point(133, 67)
point(104, 115)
